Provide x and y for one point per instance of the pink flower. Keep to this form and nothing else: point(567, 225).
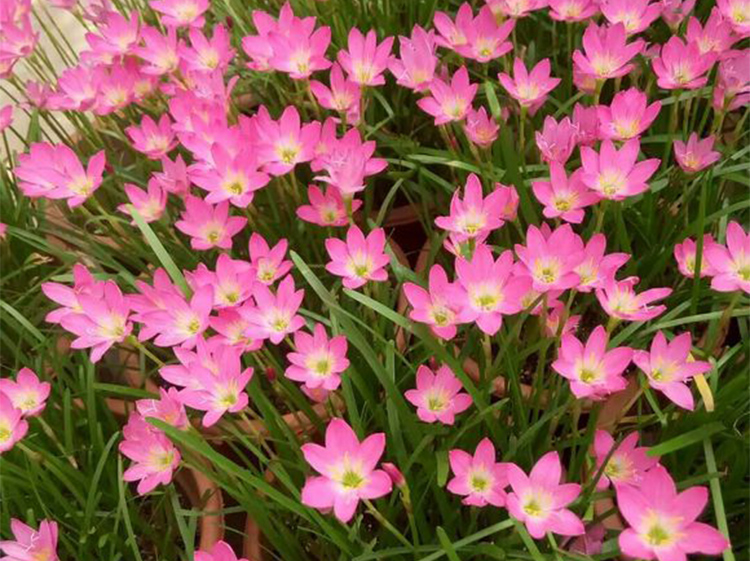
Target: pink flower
point(317, 360)
point(173, 177)
point(491, 290)
point(159, 52)
point(682, 66)
point(168, 408)
point(365, 61)
point(731, 264)
point(685, 255)
point(485, 39)
point(3, 230)
point(572, 10)
point(478, 478)
point(475, 216)
point(737, 13)
point(597, 269)
point(715, 37)
point(208, 225)
point(230, 177)
point(30, 544)
point(181, 13)
point(207, 355)
point(635, 15)
point(440, 307)
point(674, 11)
point(733, 88)
point(153, 140)
point(178, 322)
point(662, 522)
point(103, 321)
point(555, 316)
point(480, 128)
point(438, 396)
point(231, 328)
point(343, 95)
point(452, 35)
point(269, 262)
point(283, 144)
point(669, 366)
point(326, 209)
point(586, 122)
point(562, 196)
point(516, 8)
point(395, 474)
point(530, 89)
point(628, 116)
point(607, 53)
point(538, 500)
point(26, 393)
point(6, 117)
point(696, 155)
point(556, 140)
point(360, 259)
point(551, 260)
point(416, 67)
point(55, 172)
point(13, 427)
point(348, 162)
point(149, 204)
point(67, 297)
point(154, 456)
point(220, 551)
point(207, 55)
point(593, 371)
point(347, 469)
point(614, 174)
point(619, 300)
point(275, 315)
point(626, 465)
point(220, 392)
point(449, 102)
point(232, 283)
point(294, 46)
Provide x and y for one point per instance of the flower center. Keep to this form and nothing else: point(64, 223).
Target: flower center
point(532, 508)
point(352, 480)
point(279, 324)
point(611, 182)
point(588, 375)
point(441, 316)
point(5, 434)
point(657, 536)
point(479, 483)
point(288, 154)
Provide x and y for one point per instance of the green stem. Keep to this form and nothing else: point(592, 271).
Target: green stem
point(387, 525)
point(132, 340)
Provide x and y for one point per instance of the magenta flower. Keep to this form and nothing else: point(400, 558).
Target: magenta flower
point(606, 52)
point(173, 177)
point(737, 13)
point(220, 551)
point(682, 66)
point(152, 139)
point(733, 88)
point(685, 255)
point(152, 298)
point(348, 162)
point(365, 61)
point(440, 307)
point(326, 209)
point(556, 141)
point(168, 408)
point(206, 355)
point(572, 10)
point(159, 52)
point(343, 95)
point(207, 55)
point(438, 396)
point(26, 393)
point(696, 155)
point(55, 172)
point(208, 225)
point(562, 196)
point(628, 116)
point(268, 262)
point(449, 102)
point(614, 174)
point(220, 392)
point(117, 37)
point(715, 37)
point(480, 128)
point(551, 260)
point(586, 122)
point(30, 544)
point(232, 177)
point(360, 259)
point(539, 500)
point(283, 144)
point(317, 361)
point(635, 15)
point(478, 478)
point(490, 289)
point(626, 465)
point(452, 35)
point(674, 11)
point(232, 282)
point(416, 67)
point(597, 269)
point(555, 316)
point(516, 8)
point(154, 456)
point(178, 322)
point(150, 204)
point(530, 89)
point(347, 471)
point(662, 521)
point(6, 117)
point(13, 427)
point(731, 264)
point(593, 371)
point(181, 13)
point(485, 39)
point(83, 283)
point(275, 315)
point(293, 45)
point(102, 322)
point(231, 328)
point(669, 366)
point(619, 300)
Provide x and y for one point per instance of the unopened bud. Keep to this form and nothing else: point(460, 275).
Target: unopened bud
point(395, 474)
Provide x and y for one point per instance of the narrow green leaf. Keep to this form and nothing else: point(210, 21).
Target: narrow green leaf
point(686, 439)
